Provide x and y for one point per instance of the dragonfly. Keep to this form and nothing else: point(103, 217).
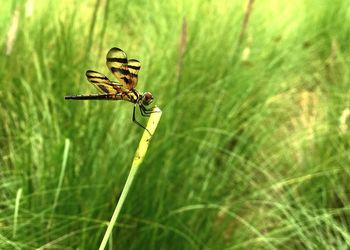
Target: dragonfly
point(126, 71)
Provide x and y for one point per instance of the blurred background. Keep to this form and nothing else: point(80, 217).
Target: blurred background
point(252, 151)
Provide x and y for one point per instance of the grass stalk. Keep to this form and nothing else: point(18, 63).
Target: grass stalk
point(15, 217)
point(247, 14)
point(138, 158)
point(60, 181)
point(92, 26)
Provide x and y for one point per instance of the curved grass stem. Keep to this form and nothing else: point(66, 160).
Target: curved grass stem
point(138, 158)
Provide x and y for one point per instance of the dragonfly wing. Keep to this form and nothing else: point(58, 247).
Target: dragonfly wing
point(134, 67)
point(102, 83)
point(117, 62)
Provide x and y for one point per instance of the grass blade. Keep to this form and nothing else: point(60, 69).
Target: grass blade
point(138, 158)
point(15, 217)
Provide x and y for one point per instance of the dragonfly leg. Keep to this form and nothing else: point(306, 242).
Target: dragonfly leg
point(135, 121)
point(145, 111)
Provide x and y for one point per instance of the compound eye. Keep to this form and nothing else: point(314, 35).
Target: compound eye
point(147, 98)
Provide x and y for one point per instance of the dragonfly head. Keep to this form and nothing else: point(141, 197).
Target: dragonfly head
point(147, 98)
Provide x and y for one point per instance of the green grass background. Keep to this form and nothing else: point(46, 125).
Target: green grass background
point(252, 151)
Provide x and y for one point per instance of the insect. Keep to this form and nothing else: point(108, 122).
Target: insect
point(126, 72)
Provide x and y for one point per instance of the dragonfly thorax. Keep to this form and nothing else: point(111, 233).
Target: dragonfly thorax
point(146, 98)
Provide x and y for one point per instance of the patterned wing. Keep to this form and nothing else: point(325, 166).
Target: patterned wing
point(102, 83)
point(134, 67)
point(117, 62)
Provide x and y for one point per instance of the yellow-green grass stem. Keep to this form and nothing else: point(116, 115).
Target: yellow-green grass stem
point(15, 217)
point(138, 158)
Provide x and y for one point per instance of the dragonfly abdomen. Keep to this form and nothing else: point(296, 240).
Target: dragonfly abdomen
point(94, 97)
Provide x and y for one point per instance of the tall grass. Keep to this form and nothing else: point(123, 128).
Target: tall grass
point(252, 149)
